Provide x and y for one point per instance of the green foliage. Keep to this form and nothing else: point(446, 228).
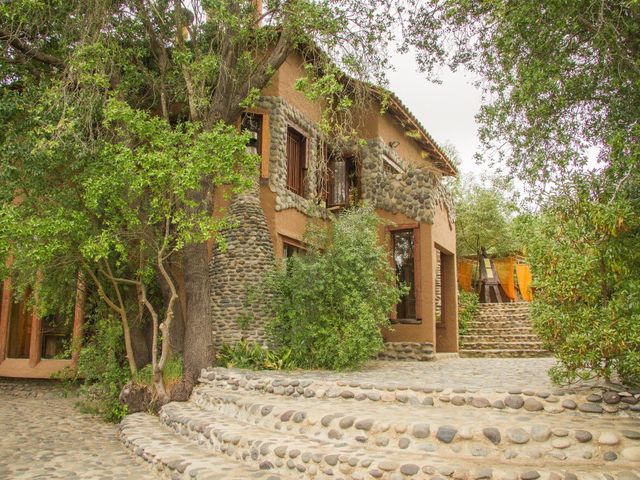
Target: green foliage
point(468, 305)
point(244, 354)
point(331, 303)
point(585, 257)
point(485, 217)
point(102, 368)
point(561, 77)
point(172, 372)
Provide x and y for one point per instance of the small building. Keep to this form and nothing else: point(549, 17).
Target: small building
point(397, 168)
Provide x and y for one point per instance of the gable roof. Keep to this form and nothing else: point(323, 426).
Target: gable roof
point(397, 109)
point(417, 132)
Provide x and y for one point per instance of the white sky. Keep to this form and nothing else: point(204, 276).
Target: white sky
point(447, 110)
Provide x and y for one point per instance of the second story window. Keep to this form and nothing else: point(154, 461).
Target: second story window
point(343, 182)
point(296, 161)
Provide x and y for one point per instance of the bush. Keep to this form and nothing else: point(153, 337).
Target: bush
point(103, 369)
point(244, 354)
point(585, 257)
point(468, 304)
point(331, 303)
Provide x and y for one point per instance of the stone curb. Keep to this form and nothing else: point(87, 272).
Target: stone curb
point(558, 401)
point(418, 436)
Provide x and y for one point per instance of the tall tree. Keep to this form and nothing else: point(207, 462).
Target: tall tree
point(194, 64)
point(562, 102)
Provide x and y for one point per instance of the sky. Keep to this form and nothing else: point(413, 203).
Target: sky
point(447, 110)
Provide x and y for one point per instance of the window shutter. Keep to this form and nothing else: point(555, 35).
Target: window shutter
point(337, 182)
point(296, 161)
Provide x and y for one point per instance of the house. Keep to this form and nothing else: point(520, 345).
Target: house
point(397, 168)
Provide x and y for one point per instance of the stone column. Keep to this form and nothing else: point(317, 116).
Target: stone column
point(237, 271)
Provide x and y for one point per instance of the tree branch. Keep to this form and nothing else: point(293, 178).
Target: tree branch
point(30, 51)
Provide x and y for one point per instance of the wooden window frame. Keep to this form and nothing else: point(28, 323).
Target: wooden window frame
point(265, 140)
point(417, 277)
point(285, 240)
point(345, 158)
point(296, 179)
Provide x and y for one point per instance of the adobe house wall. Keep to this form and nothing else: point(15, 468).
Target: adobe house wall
point(414, 196)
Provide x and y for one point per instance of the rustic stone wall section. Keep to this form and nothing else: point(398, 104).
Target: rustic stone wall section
point(282, 116)
point(420, 351)
point(416, 192)
point(237, 271)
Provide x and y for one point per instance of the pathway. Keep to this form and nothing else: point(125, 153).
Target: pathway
point(468, 419)
point(42, 436)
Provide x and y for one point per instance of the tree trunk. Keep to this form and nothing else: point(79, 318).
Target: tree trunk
point(198, 338)
point(177, 329)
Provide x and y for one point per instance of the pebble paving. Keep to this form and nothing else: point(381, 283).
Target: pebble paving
point(43, 436)
point(450, 372)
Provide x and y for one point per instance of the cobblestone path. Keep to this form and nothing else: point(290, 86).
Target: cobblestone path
point(465, 419)
point(42, 436)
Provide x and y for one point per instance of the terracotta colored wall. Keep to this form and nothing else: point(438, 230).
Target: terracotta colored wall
point(444, 238)
point(390, 130)
point(424, 332)
point(291, 71)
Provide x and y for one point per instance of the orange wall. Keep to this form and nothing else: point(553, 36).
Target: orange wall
point(288, 74)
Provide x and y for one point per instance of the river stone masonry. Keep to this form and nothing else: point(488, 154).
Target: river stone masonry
point(310, 425)
point(416, 192)
point(237, 270)
point(420, 351)
point(502, 330)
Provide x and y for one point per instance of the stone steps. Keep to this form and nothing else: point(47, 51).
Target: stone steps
point(557, 401)
point(502, 330)
point(502, 344)
point(507, 337)
point(240, 424)
point(177, 457)
point(487, 331)
point(501, 352)
point(425, 428)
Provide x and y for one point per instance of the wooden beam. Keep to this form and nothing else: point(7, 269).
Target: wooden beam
point(5, 311)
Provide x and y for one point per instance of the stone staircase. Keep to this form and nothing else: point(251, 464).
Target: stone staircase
point(242, 425)
point(502, 330)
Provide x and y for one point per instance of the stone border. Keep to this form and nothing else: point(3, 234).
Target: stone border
point(557, 401)
point(418, 437)
point(420, 351)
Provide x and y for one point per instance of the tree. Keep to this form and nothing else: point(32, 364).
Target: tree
point(484, 217)
point(560, 77)
point(561, 85)
point(196, 66)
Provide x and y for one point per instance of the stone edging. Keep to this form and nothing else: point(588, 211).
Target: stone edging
point(558, 401)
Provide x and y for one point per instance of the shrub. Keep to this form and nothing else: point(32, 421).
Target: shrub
point(244, 354)
point(585, 257)
point(331, 303)
point(103, 369)
point(468, 304)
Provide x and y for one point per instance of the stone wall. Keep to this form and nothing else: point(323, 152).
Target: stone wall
point(282, 116)
point(237, 270)
point(412, 351)
point(415, 192)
